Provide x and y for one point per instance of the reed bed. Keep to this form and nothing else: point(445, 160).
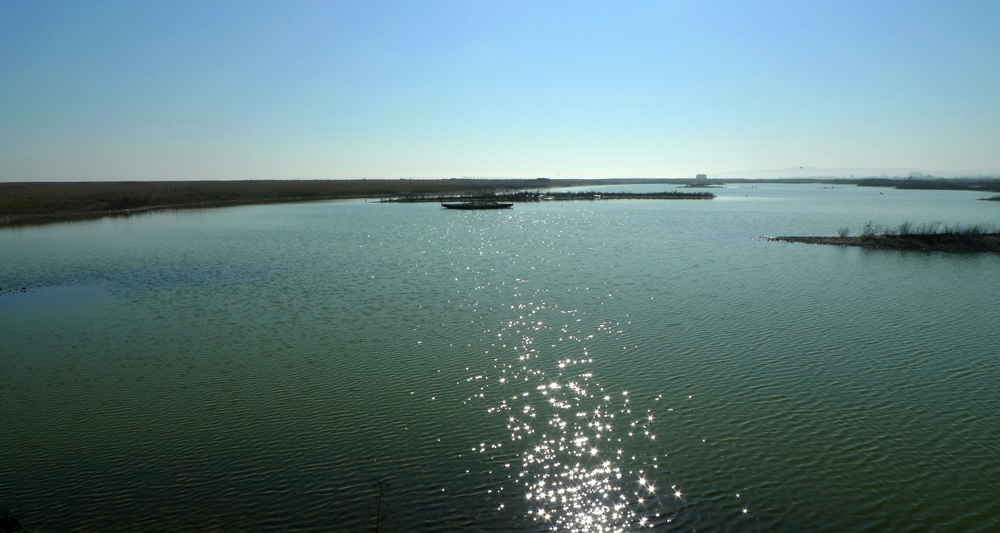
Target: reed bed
point(933, 236)
point(927, 229)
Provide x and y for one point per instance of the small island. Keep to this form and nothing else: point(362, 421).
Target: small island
point(907, 236)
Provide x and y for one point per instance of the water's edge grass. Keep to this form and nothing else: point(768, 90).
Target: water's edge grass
point(932, 236)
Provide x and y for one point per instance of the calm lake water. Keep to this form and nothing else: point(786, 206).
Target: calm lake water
point(580, 366)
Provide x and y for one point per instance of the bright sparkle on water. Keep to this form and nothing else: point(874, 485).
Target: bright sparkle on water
point(578, 470)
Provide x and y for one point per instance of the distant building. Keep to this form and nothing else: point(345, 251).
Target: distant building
point(701, 178)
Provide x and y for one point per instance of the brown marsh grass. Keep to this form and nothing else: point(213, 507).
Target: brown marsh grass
point(39, 201)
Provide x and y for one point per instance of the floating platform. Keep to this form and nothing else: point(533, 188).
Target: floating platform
point(478, 205)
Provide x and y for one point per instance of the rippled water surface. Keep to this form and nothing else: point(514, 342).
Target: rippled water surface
point(578, 366)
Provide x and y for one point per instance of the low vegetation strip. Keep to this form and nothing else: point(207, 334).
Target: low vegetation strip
point(548, 196)
point(967, 184)
point(42, 201)
point(907, 236)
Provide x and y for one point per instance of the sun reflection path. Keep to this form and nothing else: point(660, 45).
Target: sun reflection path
point(588, 454)
point(575, 476)
point(588, 463)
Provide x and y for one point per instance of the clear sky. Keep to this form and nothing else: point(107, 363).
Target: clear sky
point(139, 90)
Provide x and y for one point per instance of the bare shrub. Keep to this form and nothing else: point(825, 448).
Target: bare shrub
point(868, 230)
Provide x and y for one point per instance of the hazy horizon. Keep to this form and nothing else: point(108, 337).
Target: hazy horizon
point(228, 90)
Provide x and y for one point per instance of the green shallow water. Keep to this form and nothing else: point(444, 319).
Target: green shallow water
point(262, 367)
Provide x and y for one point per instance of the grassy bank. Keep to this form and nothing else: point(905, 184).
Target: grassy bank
point(909, 236)
point(955, 184)
point(39, 202)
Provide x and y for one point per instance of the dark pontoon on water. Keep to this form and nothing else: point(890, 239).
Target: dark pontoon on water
point(478, 205)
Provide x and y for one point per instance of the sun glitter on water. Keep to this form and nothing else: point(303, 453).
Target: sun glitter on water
point(579, 473)
point(587, 461)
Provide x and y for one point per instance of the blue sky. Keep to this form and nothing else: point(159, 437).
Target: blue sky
point(304, 90)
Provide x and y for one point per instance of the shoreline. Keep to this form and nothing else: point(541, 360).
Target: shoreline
point(44, 202)
point(955, 243)
point(69, 216)
point(550, 196)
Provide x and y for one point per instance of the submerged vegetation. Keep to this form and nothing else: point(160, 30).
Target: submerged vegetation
point(379, 509)
point(9, 523)
point(932, 236)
